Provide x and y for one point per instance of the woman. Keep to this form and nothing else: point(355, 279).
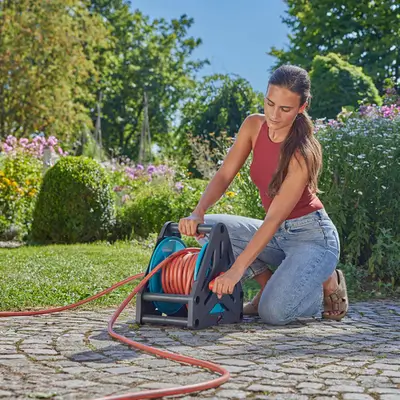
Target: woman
point(297, 235)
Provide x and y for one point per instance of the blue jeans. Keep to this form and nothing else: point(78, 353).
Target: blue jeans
point(305, 251)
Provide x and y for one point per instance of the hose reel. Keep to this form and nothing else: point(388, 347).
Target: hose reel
point(193, 305)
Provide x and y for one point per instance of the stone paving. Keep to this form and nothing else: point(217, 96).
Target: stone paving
point(70, 356)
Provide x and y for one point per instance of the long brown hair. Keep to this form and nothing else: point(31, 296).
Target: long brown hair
point(301, 135)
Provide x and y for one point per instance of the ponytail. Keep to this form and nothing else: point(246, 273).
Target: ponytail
point(301, 140)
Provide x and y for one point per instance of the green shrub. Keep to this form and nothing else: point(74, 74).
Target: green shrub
point(127, 177)
point(20, 178)
point(154, 204)
point(360, 184)
point(75, 203)
point(247, 201)
point(337, 84)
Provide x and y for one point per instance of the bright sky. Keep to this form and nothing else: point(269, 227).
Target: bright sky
point(235, 35)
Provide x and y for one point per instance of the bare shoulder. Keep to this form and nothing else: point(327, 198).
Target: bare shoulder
point(252, 125)
point(241, 148)
point(254, 120)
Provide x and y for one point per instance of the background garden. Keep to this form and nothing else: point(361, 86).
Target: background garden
point(107, 133)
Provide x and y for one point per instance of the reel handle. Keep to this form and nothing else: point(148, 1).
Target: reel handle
point(201, 228)
point(211, 284)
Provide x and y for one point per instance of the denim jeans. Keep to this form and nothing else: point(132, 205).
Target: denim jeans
point(305, 251)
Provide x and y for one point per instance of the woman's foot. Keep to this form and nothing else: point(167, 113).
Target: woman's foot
point(336, 302)
point(251, 308)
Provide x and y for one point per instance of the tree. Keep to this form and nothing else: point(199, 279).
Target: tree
point(219, 106)
point(48, 51)
point(336, 83)
point(364, 33)
point(149, 57)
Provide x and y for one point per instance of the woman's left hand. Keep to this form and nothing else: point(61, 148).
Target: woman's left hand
point(225, 283)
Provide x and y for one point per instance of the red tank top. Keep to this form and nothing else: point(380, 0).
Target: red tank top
point(264, 164)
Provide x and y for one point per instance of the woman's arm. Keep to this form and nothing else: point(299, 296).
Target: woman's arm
point(231, 165)
point(280, 208)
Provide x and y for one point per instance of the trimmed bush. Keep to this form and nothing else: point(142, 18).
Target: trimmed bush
point(75, 203)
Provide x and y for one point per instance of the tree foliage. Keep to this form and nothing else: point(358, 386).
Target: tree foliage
point(218, 107)
point(337, 84)
point(365, 33)
point(221, 103)
point(149, 56)
point(48, 51)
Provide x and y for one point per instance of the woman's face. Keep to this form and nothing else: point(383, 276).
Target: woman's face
point(281, 107)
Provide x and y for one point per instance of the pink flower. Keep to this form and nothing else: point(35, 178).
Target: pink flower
point(11, 140)
point(130, 172)
point(39, 139)
point(34, 147)
point(151, 169)
point(179, 185)
point(52, 141)
point(6, 148)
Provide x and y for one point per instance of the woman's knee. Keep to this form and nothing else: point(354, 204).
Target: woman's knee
point(274, 316)
point(272, 310)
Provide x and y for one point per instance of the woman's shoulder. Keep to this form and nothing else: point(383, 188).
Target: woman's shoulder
point(251, 127)
point(256, 118)
point(254, 122)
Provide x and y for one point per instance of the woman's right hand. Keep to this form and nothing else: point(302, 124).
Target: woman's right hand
point(188, 225)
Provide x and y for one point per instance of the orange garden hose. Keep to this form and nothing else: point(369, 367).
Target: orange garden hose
point(177, 278)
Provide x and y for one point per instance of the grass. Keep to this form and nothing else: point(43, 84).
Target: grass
point(57, 275)
point(41, 276)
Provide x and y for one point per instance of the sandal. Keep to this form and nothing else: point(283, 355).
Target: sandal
point(337, 301)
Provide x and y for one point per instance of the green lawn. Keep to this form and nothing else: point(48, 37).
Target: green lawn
point(57, 275)
point(64, 274)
